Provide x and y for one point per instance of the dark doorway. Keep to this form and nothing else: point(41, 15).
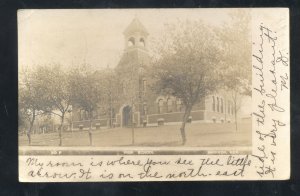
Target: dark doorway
point(127, 116)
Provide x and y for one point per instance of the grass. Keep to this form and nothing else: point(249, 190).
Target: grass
point(198, 135)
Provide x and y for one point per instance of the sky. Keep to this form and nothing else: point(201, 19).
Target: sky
point(94, 36)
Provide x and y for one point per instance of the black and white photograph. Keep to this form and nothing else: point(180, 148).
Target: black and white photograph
point(135, 81)
point(153, 94)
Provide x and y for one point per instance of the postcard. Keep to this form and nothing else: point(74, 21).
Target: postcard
point(153, 94)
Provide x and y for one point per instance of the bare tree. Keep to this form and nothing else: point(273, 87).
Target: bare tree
point(235, 41)
point(86, 92)
point(30, 100)
point(187, 65)
point(111, 92)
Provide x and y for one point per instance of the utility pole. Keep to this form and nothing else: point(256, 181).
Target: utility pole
point(110, 101)
point(132, 121)
point(71, 112)
point(132, 104)
point(90, 128)
point(111, 115)
point(225, 107)
point(110, 96)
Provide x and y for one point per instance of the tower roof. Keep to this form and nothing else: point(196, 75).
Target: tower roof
point(135, 26)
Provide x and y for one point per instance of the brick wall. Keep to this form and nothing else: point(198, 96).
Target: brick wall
point(86, 123)
point(174, 117)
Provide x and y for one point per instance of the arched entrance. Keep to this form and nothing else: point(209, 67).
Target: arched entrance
point(126, 116)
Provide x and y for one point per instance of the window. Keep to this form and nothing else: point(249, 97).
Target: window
point(145, 108)
point(142, 42)
point(228, 107)
point(86, 115)
point(123, 88)
point(221, 105)
point(178, 105)
point(95, 114)
point(144, 85)
point(218, 104)
point(170, 105)
point(83, 115)
point(131, 42)
point(214, 104)
point(160, 106)
point(80, 115)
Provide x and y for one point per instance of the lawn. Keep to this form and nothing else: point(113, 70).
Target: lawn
point(198, 135)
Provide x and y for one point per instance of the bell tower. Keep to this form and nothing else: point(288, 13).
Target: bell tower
point(135, 35)
point(135, 48)
point(131, 72)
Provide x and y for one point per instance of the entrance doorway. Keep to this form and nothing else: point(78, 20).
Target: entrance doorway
point(127, 116)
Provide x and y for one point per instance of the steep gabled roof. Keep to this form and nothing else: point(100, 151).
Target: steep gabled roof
point(135, 26)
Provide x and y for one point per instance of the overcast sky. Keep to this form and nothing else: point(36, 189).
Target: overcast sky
point(71, 37)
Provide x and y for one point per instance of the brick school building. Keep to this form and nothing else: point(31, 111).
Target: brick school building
point(139, 104)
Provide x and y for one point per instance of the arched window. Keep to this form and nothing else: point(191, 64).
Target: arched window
point(123, 88)
point(81, 115)
point(228, 106)
point(145, 108)
point(214, 103)
point(131, 42)
point(160, 106)
point(170, 105)
point(178, 105)
point(86, 115)
point(231, 108)
point(95, 114)
point(142, 42)
point(218, 104)
point(221, 105)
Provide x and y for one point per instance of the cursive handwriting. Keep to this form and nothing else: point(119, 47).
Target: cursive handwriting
point(270, 81)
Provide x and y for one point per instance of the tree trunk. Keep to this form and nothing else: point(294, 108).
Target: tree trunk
point(132, 125)
point(90, 131)
point(184, 120)
point(235, 111)
point(235, 117)
point(29, 132)
point(60, 129)
point(225, 111)
point(110, 112)
point(30, 128)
